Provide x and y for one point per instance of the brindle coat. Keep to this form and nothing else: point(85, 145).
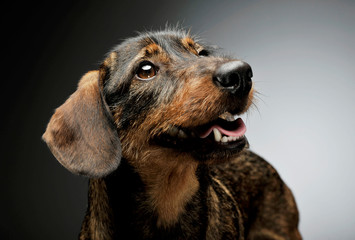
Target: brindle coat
point(144, 184)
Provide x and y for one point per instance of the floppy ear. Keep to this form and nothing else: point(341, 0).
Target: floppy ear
point(81, 133)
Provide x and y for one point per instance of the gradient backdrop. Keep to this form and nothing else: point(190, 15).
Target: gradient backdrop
point(302, 54)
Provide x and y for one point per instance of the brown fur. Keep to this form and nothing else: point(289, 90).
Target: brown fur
point(99, 212)
point(158, 191)
point(190, 45)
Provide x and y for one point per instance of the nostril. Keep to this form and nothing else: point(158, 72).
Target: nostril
point(234, 80)
point(228, 81)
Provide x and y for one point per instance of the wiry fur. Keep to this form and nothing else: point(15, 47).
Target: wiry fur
point(166, 190)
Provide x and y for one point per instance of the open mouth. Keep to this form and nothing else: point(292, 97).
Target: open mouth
point(224, 134)
point(227, 130)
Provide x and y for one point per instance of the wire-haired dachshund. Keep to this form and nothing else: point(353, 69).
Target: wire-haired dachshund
point(157, 130)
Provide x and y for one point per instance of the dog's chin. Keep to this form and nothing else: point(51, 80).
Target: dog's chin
point(217, 141)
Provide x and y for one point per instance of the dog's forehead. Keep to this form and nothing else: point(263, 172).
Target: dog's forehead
point(171, 42)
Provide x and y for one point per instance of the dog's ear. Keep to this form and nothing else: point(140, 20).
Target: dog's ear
point(81, 134)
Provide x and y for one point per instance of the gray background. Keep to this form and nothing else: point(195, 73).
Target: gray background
point(302, 54)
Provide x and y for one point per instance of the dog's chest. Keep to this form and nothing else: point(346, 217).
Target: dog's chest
point(212, 213)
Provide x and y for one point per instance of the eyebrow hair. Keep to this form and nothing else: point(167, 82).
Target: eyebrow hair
point(152, 49)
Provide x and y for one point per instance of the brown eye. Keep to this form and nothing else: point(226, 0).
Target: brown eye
point(146, 71)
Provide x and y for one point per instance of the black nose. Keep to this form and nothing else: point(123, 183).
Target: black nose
point(234, 77)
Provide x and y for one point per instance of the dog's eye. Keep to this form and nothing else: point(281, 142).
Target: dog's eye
point(146, 71)
point(203, 53)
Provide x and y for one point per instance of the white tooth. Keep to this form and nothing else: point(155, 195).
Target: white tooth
point(173, 131)
point(217, 135)
point(234, 138)
point(182, 134)
point(230, 139)
point(224, 139)
point(235, 117)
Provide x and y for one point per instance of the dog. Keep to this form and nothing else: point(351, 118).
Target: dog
point(157, 130)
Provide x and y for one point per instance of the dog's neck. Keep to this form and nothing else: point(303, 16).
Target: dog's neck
point(170, 185)
point(159, 188)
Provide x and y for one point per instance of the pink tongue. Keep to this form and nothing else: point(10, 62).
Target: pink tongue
point(238, 132)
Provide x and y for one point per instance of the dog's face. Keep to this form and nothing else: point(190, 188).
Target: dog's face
point(170, 95)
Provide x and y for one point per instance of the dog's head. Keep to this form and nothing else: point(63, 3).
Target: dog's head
point(159, 94)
